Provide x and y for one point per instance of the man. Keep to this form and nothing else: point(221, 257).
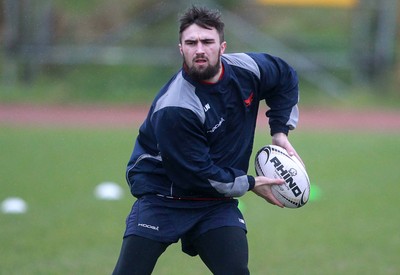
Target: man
point(192, 153)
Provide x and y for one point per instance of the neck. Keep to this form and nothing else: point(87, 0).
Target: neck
point(217, 77)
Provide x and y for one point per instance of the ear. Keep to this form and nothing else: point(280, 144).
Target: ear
point(180, 48)
point(223, 47)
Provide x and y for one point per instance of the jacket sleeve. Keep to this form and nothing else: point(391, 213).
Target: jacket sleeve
point(279, 88)
point(185, 156)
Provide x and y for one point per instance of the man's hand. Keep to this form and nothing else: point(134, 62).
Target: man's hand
point(280, 139)
point(263, 189)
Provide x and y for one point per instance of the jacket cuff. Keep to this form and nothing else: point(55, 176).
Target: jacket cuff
point(252, 182)
point(279, 129)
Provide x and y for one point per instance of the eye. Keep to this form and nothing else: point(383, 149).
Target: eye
point(190, 42)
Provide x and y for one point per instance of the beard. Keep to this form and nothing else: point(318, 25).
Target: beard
point(201, 74)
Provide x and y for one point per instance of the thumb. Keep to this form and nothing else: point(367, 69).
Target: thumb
point(261, 180)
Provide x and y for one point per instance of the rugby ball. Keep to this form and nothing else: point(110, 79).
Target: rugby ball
point(274, 162)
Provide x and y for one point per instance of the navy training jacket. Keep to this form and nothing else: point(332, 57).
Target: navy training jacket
point(197, 139)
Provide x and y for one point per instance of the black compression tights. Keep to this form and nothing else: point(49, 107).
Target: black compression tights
point(223, 250)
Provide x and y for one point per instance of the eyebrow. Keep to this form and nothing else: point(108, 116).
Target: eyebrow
point(205, 40)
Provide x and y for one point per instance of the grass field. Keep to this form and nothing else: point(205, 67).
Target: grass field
point(352, 227)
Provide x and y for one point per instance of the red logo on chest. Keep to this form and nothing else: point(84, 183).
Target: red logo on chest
point(249, 100)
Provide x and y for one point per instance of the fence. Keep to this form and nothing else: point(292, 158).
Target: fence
point(29, 25)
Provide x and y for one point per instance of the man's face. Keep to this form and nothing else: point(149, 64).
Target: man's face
point(201, 50)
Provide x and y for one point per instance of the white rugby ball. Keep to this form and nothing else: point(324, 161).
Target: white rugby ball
point(274, 162)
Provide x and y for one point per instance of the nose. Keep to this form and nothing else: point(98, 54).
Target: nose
point(199, 48)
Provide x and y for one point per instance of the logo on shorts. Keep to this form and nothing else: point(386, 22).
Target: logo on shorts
point(152, 227)
point(241, 220)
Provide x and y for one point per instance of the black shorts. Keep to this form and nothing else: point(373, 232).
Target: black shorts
point(167, 220)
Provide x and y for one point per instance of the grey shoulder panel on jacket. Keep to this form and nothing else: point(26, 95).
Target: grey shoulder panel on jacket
point(181, 93)
point(244, 61)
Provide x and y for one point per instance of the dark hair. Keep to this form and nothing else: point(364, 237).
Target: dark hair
point(203, 17)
